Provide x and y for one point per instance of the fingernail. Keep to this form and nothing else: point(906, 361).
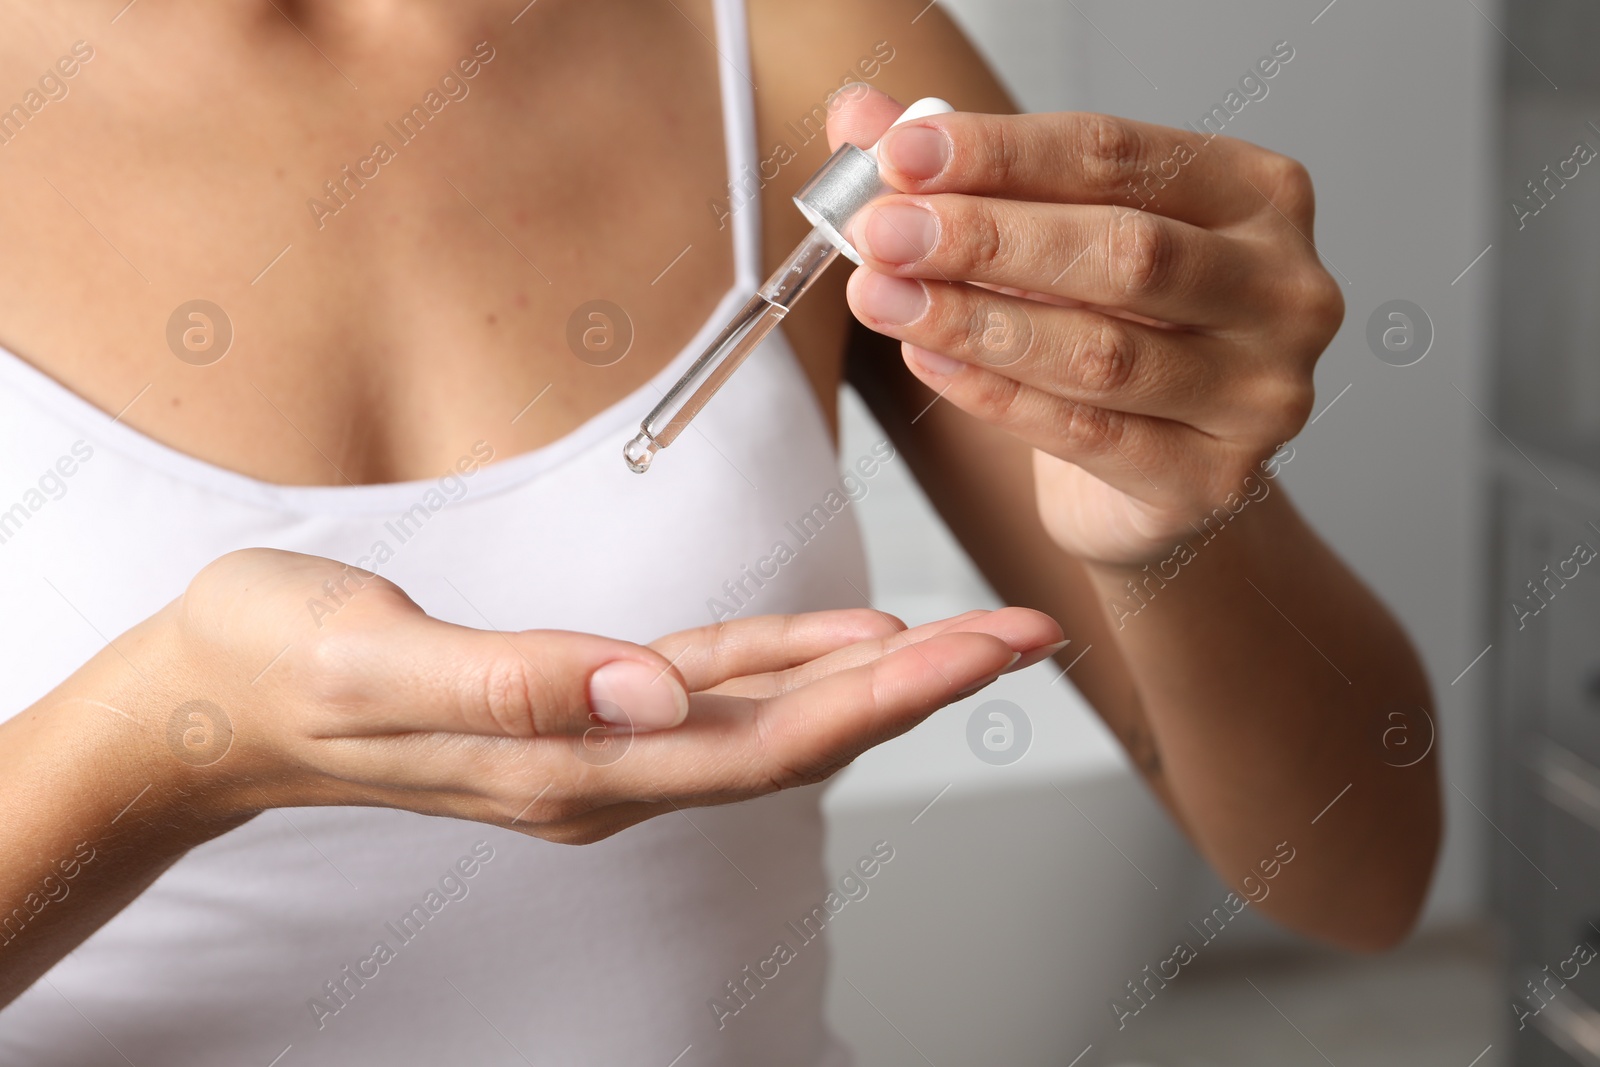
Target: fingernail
point(933, 363)
point(1038, 655)
point(918, 152)
point(898, 233)
point(892, 301)
point(989, 680)
point(637, 696)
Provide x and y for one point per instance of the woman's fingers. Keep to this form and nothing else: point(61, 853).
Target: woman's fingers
point(1073, 353)
point(858, 114)
point(1149, 458)
point(420, 674)
point(1070, 157)
point(710, 655)
point(1023, 629)
point(731, 747)
point(1016, 217)
point(810, 732)
point(1076, 157)
point(1143, 263)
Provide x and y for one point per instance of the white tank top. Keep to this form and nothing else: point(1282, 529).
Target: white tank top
point(356, 936)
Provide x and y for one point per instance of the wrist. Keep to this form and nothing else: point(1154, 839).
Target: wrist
point(1208, 566)
point(132, 720)
point(1118, 534)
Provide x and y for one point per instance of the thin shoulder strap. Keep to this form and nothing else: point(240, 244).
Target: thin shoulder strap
point(739, 130)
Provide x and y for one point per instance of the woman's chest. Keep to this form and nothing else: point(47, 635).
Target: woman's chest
point(317, 269)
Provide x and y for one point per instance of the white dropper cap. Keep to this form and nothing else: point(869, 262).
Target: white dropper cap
point(928, 105)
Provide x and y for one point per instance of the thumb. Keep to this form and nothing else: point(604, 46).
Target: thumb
point(858, 114)
point(528, 684)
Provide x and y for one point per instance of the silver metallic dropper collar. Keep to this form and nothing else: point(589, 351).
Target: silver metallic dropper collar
point(847, 182)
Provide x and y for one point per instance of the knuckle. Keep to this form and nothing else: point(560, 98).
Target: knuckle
point(1141, 254)
point(1102, 361)
point(796, 776)
point(786, 761)
point(1108, 149)
point(993, 398)
point(1003, 155)
point(1297, 396)
point(576, 833)
point(1088, 429)
point(1290, 184)
point(719, 653)
point(877, 624)
point(509, 697)
point(983, 248)
point(1308, 305)
point(1280, 404)
point(330, 662)
point(953, 321)
point(1324, 302)
point(521, 801)
point(788, 630)
point(557, 811)
point(781, 777)
point(1221, 483)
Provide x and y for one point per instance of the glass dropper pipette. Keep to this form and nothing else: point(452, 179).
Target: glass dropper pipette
point(848, 182)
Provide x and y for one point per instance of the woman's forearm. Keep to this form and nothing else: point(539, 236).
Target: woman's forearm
point(1285, 705)
point(1211, 673)
point(95, 806)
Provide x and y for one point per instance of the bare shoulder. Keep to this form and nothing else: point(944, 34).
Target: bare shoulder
point(800, 54)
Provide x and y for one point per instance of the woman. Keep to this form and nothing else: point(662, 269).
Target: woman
point(340, 257)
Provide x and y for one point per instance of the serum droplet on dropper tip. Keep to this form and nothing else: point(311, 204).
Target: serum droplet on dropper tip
point(639, 452)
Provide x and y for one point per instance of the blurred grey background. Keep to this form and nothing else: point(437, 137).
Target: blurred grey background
point(1026, 895)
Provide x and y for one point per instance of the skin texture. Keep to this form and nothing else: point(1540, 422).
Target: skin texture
point(1166, 365)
